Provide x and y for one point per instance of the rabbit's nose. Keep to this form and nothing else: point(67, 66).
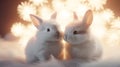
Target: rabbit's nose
point(57, 33)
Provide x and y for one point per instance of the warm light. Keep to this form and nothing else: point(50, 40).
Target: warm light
point(23, 32)
point(28, 33)
point(116, 24)
point(17, 29)
point(97, 4)
point(64, 17)
point(81, 9)
point(39, 2)
point(25, 9)
point(58, 5)
point(69, 4)
point(65, 51)
point(108, 15)
point(45, 12)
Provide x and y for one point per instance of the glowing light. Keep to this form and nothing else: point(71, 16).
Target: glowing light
point(108, 15)
point(23, 32)
point(114, 39)
point(98, 27)
point(27, 34)
point(45, 12)
point(17, 29)
point(24, 9)
point(65, 54)
point(38, 2)
point(81, 9)
point(58, 5)
point(97, 4)
point(116, 24)
point(64, 17)
point(69, 4)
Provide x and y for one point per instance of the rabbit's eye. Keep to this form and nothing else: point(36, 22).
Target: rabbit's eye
point(75, 32)
point(48, 30)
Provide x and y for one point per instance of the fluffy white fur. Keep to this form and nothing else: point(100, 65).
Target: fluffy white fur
point(47, 41)
point(56, 63)
point(105, 63)
point(83, 46)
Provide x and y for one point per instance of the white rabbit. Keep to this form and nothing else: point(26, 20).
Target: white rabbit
point(47, 41)
point(83, 46)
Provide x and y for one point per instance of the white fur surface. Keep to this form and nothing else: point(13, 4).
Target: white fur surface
point(46, 42)
point(105, 63)
point(83, 45)
point(56, 63)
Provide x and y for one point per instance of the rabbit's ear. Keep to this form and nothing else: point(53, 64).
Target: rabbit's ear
point(36, 20)
point(53, 16)
point(87, 19)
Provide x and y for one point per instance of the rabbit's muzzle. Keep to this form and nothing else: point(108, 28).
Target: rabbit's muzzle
point(57, 35)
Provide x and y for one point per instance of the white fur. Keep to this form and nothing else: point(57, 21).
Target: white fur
point(56, 63)
point(106, 63)
point(83, 46)
point(45, 43)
